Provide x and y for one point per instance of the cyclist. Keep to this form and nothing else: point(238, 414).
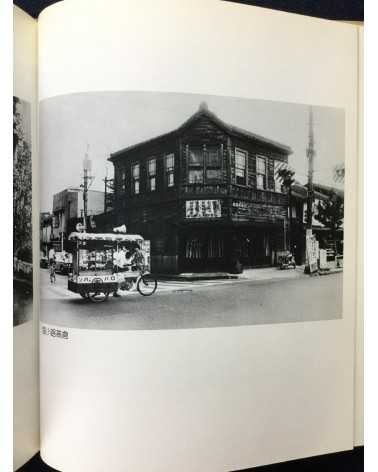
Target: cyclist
point(138, 259)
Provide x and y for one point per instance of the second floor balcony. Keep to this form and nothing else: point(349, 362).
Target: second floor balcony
point(235, 191)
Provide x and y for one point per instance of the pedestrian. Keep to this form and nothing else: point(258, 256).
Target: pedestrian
point(52, 268)
point(52, 256)
point(138, 259)
point(119, 264)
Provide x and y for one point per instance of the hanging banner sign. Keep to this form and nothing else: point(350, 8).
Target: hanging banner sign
point(203, 209)
point(312, 253)
point(146, 249)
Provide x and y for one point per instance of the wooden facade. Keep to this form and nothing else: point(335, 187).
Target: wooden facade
point(205, 195)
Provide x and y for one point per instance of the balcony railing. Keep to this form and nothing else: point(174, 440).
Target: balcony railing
point(205, 189)
point(237, 192)
point(256, 195)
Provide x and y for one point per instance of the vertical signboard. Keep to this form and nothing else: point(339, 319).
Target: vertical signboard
point(146, 248)
point(311, 252)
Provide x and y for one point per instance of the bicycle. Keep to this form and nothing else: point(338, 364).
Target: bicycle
point(144, 282)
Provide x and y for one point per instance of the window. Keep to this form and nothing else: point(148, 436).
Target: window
point(213, 165)
point(196, 157)
point(215, 248)
point(278, 165)
point(151, 169)
point(123, 179)
point(194, 249)
point(170, 169)
point(241, 167)
point(136, 177)
point(261, 172)
point(204, 165)
point(196, 176)
point(195, 165)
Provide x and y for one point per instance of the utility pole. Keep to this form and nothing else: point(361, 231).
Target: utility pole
point(87, 182)
point(311, 256)
point(310, 156)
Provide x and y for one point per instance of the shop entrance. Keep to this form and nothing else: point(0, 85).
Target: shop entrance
point(202, 251)
point(256, 248)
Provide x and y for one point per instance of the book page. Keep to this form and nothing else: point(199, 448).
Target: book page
point(359, 369)
point(208, 143)
point(25, 221)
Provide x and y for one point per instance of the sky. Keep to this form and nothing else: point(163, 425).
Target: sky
point(105, 122)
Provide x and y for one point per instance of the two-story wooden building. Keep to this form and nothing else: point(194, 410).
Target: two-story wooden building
point(205, 194)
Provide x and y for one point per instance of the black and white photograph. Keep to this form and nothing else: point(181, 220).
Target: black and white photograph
point(178, 211)
point(22, 213)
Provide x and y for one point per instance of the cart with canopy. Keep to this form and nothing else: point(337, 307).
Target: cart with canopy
point(94, 272)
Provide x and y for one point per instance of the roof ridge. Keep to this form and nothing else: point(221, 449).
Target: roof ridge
point(204, 111)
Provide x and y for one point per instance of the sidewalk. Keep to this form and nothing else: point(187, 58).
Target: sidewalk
point(330, 271)
point(273, 273)
point(257, 274)
point(267, 273)
point(194, 276)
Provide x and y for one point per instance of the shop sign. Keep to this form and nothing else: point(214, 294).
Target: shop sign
point(241, 208)
point(89, 279)
point(323, 264)
point(203, 209)
point(146, 249)
point(312, 253)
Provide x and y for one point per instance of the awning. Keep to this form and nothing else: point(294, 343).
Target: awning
point(112, 237)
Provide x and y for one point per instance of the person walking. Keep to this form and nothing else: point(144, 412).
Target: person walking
point(119, 261)
point(52, 256)
point(138, 259)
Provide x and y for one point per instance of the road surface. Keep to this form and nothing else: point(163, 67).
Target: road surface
point(178, 305)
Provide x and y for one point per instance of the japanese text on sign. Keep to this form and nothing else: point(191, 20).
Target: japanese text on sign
point(312, 252)
point(203, 209)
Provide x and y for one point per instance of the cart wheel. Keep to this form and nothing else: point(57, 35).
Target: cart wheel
point(97, 297)
point(147, 285)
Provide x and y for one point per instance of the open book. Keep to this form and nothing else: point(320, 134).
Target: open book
point(187, 217)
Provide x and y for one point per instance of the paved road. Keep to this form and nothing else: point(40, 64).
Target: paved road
point(196, 305)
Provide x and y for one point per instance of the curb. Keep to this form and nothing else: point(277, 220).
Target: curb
point(195, 277)
point(329, 272)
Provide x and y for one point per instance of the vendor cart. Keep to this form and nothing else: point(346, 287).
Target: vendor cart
point(95, 273)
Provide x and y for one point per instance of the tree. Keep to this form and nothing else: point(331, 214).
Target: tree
point(330, 212)
point(285, 176)
point(22, 188)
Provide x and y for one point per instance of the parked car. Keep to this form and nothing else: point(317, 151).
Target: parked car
point(63, 262)
point(43, 262)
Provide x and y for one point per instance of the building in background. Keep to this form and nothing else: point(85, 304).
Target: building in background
point(206, 196)
point(329, 238)
point(68, 210)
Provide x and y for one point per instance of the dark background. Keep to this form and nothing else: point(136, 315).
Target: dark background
point(330, 9)
point(351, 10)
